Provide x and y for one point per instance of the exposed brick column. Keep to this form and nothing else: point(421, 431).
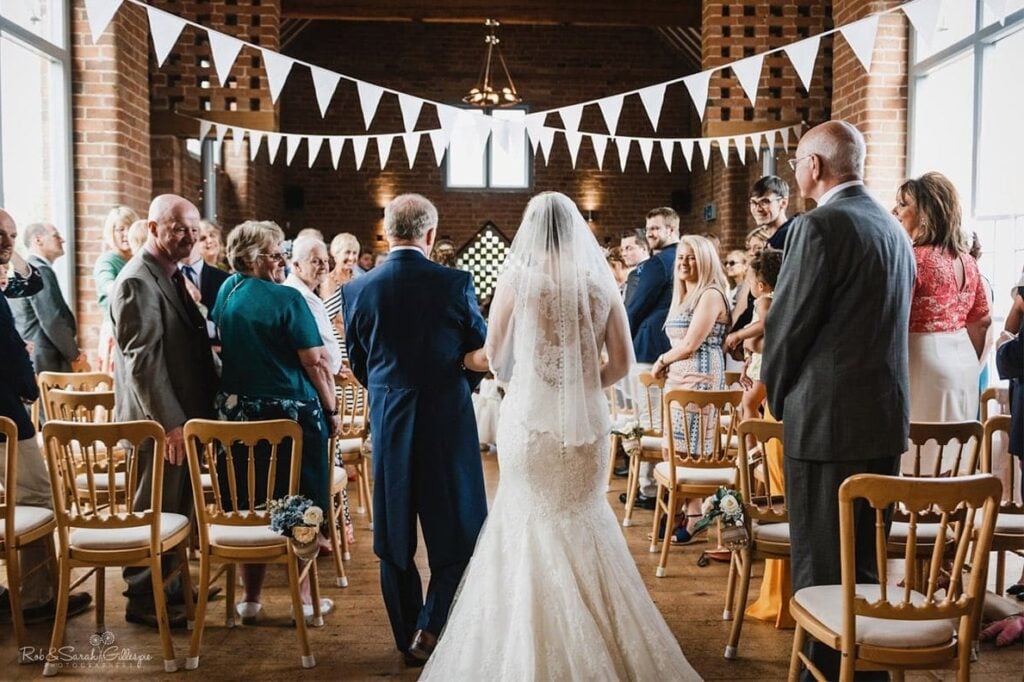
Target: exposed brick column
point(110, 102)
point(876, 102)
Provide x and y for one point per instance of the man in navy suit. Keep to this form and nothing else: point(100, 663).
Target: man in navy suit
point(204, 277)
point(408, 324)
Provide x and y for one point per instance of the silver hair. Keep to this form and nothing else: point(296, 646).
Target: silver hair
point(841, 148)
point(248, 240)
point(303, 246)
point(408, 217)
point(32, 231)
point(340, 241)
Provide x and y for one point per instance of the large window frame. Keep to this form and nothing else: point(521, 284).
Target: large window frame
point(60, 56)
point(487, 159)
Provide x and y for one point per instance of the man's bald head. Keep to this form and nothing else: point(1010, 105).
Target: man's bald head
point(839, 147)
point(8, 233)
point(173, 224)
point(168, 205)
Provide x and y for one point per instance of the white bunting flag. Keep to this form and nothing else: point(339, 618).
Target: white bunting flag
point(785, 139)
point(705, 150)
point(572, 140)
point(337, 143)
point(255, 140)
point(273, 144)
point(740, 142)
point(237, 137)
point(291, 144)
point(755, 143)
point(313, 144)
point(667, 147)
point(924, 15)
point(611, 107)
point(770, 137)
point(797, 132)
point(324, 83)
point(652, 98)
point(224, 49)
point(600, 143)
point(439, 141)
point(482, 125)
point(802, 55)
point(697, 86)
point(571, 117)
point(204, 130)
point(723, 149)
point(533, 124)
point(748, 73)
point(622, 144)
point(165, 29)
point(410, 110)
point(502, 132)
point(547, 137)
point(359, 149)
point(369, 98)
point(278, 67)
point(220, 130)
point(860, 35)
point(646, 145)
point(100, 12)
point(446, 117)
point(412, 145)
point(687, 147)
point(384, 148)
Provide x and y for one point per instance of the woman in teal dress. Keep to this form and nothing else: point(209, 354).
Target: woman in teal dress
point(274, 367)
point(105, 271)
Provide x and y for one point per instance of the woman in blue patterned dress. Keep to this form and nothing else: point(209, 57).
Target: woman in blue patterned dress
point(696, 326)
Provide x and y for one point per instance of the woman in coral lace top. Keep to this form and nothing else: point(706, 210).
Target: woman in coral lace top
point(949, 315)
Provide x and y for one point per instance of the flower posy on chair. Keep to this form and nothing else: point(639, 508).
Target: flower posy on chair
point(297, 518)
point(727, 506)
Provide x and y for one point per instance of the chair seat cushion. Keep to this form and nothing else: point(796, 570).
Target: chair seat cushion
point(348, 445)
point(926, 532)
point(340, 476)
point(1006, 524)
point(244, 536)
point(125, 538)
point(27, 519)
point(207, 481)
point(825, 602)
point(772, 532)
point(712, 476)
point(101, 480)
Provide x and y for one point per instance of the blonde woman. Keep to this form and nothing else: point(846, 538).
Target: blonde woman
point(105, 271)
point(345, 251)
point(211, 240)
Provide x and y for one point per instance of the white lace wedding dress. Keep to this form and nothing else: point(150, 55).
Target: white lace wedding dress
point(552, 592)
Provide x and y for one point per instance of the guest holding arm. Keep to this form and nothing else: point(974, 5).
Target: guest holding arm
point(108, 265)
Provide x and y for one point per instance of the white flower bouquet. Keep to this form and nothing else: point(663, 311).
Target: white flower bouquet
point(629, 435)
point(298, 519)
point(724, 510)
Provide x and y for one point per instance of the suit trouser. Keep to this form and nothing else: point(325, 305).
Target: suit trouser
point(33, 491)
point(812, 500)
point(403, 598)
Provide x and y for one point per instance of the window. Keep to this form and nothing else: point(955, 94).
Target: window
point(35, 137)
point(500, 162)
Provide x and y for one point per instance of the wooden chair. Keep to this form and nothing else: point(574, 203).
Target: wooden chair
point(73, 381)
point(349, 443)
point(765, 515)
point(649, 416)
point(694, 472)
point(621, 411)
point(240, 534)
point(20, 525)
point(96, 534)
point(1009, 532)
point(999, 396)
point(884, 627)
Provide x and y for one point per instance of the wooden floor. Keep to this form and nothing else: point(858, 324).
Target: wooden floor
point(356, 643)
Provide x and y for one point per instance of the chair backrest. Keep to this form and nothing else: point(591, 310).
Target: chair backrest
point(79, 406)
point(75, 381)
point(958, 500)
point(650, 403)
point(1000, 424)
point(994, 400)
point(8, 496)
point(699, 415)
point(942, 449)
point(75, 450)
point(353, 407)
point(259, 449)
point(760, 483)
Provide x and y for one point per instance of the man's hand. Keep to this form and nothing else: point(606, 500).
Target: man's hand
point(335, 422)
point(80, 364)
point(175, 440)
point(730, 341)
point(20, 265)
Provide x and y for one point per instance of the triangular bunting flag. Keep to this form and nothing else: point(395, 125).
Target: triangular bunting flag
point(224, 49)
point(697, 86)
point(687, 147)
point(705, 150)
point(336, 143)
point(410, 110)
point(755, 143)
point(446, 116)
point(600, 143)
point(547, 137)
point(165, 29)
point(412, 145)
point(924, 15)
point(273, 144)
point(534, 123)
point(291, 143)
point(313, 144)
point(770, 137)
point(255, 140)
point(237, 136)
point(611, 107)
point(572, 140)
point(384, 148)
point(571, 117)
point(220, 130)
point(359, 149)
point(802, 55)
point(667, 147)
point(100, 12)
point(796, 132)
point(324, 83)
point(482, 125)
point(748, 73)
point(369, 98)
point(204, 130)
point(646, 145)
point(622, 144)
point(723, 149)
point(653, 97)
point(785, 139)
point(278, 67)
point(860, 35)
point(439, 141)
point(740, 143)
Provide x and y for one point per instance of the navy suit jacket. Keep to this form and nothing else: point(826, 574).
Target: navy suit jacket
point(17, 379)
point(408, 324)
point(648, 306)
point(210, 281)
point(1010, 363)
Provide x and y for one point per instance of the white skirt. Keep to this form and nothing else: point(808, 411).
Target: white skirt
point(944, 370)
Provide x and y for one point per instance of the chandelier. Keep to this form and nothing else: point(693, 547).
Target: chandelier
point(484, 93)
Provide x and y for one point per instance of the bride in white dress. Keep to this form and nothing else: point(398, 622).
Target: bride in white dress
point(552, 592)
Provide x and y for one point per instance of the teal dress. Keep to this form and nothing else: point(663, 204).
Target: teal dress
point(262, 327)
point(108, 265)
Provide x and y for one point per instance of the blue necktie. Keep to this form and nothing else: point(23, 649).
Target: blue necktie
point(191, 274)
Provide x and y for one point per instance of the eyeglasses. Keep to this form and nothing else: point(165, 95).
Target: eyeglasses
point(732, 262)
point(278, 257)
point(794, 162)
point(763, 202)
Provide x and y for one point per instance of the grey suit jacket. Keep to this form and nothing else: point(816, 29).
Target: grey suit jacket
point(163, 368)
point(835, 356)
point(45, 319)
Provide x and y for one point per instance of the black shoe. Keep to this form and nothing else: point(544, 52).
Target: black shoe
point(1015, 589)
point(147, 617)
point(641, 501)
point(77, 603)
point(412, 661)
point(622, 471)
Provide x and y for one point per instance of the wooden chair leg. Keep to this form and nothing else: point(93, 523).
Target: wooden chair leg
point(160, 607)
point(799, 638)
point(744, 565)
point(614, 447)
point(336, 517)
point(670, 511)
point(14, 593)
point(346, 550)
point(186, 583)
point(1000, 572)
point(101, 603)
point(364, 488)
point(308, 661)
point(230, 582)
point(657, 519)
point(192, 661)
point(60, 621)
point(632, 481)
point(730, 586)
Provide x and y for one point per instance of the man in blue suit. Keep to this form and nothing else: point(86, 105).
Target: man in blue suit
point(408, 324)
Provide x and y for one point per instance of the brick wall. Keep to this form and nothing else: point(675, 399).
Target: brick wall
point(111, 140)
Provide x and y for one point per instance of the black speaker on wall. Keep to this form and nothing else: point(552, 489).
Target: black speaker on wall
point(294, 198)
point(681, 201)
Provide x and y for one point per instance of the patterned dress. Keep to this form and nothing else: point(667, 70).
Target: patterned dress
point(704, 370)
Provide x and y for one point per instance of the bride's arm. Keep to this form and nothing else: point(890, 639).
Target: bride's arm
point(619, 345)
